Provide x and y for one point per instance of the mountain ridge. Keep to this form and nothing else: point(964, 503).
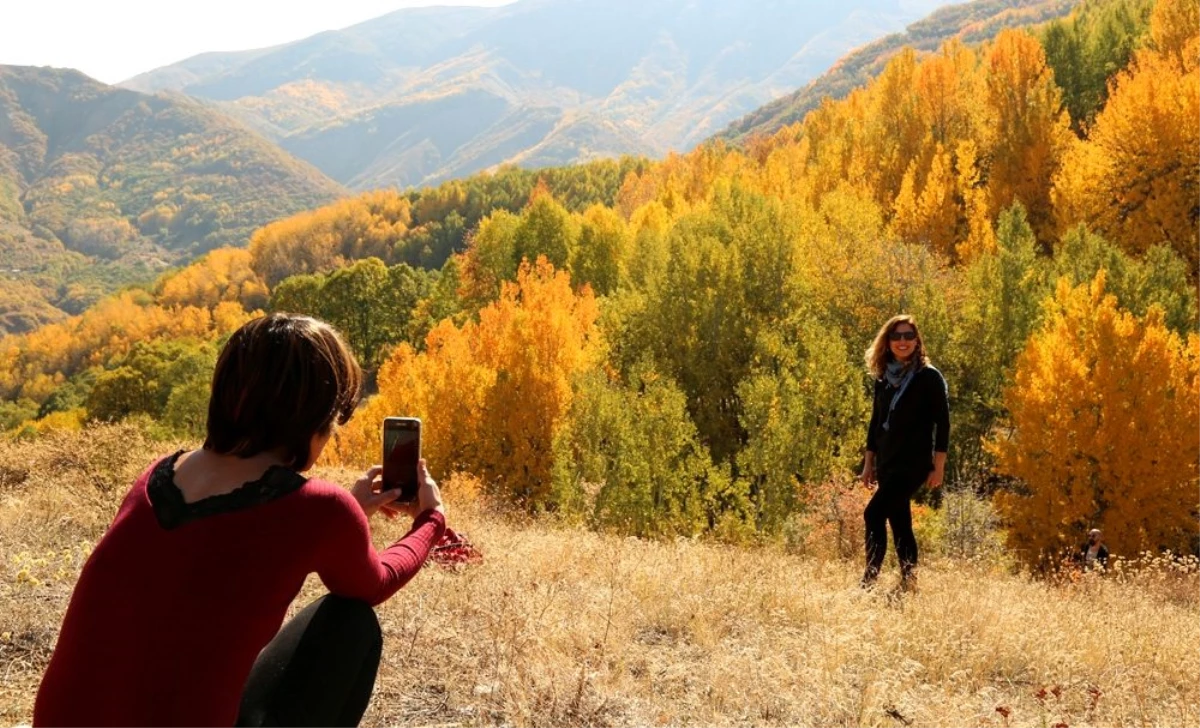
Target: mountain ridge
point(600, 79)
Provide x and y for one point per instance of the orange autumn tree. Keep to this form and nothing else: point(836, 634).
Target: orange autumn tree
point(1102, 432)
point(445, 385)
point(492, 394)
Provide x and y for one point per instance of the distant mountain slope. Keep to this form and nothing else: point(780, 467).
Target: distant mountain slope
point(423, 95)
point(972, 22)
point(101, 185)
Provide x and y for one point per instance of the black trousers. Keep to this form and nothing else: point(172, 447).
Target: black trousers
point(892, 503)
point(319, 670)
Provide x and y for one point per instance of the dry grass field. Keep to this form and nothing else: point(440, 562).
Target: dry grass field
point(566, 627)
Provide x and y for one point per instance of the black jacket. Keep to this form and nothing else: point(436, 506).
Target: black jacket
point(920, 425)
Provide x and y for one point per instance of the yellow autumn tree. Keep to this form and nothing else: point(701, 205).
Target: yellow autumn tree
point(946, 88)
point(493, 394)
point(1104, 410)
point(893, 132)
point(978, 236)
point(930, 217)
point(941, 144)
point(938, 194)
point(445, 385)
point(325, 239)
point(1024, 128)
point(222, 275)
point(1136, 179)
point(536, 337)
point(1174, 25)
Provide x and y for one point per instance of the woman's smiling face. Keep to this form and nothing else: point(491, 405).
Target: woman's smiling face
point(903, 341)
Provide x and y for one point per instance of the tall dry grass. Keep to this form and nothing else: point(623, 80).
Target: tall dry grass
point(568, 627)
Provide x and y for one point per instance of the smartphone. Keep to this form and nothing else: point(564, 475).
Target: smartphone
point(401, 451)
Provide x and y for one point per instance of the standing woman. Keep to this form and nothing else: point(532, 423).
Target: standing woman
point(906, 441)
point(176, 616)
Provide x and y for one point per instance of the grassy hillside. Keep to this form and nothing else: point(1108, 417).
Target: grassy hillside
point(425, 95)
point(100, 186)
point(971, 22)
point(566, 627)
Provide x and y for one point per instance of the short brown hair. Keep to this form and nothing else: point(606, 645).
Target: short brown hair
point(280, 380)
point(879, 353)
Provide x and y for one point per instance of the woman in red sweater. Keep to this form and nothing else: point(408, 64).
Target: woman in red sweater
point(176, 616)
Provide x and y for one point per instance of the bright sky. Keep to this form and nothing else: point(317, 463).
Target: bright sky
point(112, 40)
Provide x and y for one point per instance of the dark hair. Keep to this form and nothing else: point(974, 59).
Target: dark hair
point(280, 380)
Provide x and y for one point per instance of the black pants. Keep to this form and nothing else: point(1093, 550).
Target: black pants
point(318, 671)
point(891, 504)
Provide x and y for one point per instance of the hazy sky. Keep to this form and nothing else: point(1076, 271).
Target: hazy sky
point(112, 40)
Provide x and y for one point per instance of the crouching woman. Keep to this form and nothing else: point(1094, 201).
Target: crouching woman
point(175, 619)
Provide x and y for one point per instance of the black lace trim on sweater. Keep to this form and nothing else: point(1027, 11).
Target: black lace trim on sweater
point(172, 511)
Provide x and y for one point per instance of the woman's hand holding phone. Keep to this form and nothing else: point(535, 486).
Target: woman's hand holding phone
point(369, 496)
point(429, 496)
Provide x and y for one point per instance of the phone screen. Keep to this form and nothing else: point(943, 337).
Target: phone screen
point(401, 450)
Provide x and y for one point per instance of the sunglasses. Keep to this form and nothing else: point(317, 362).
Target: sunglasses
point(906, 335)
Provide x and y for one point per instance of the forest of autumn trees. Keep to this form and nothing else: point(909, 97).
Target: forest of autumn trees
point(675, 348)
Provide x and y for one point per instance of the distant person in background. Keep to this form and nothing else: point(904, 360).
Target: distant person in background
point(906, 442)
point(1094, 552)
point(176, 616)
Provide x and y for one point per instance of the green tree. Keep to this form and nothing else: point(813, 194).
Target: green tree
point(857, 276)
point(1004, 291)
point(1090, 47)
point(121, 392)
point(1160, 277)
point(728, 278)
point(297, 294)
point(432, 244)
point(804, 414)
point(141, 382)
point(546, 229)
point(604, 243)
point(13, 414)
point(186, 413)
point(358, 301)
point(491, 258)
point(371, 304)
point(648, 265)
point(630, 458)
point(440, 301)
point(71, 394)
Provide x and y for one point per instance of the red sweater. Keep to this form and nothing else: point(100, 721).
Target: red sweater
point(177, 599)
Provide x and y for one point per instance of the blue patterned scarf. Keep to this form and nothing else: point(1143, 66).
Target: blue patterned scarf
point(899, 375)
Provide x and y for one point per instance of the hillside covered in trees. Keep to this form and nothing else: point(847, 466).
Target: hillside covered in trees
point(100, 186)
point(675, 348)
